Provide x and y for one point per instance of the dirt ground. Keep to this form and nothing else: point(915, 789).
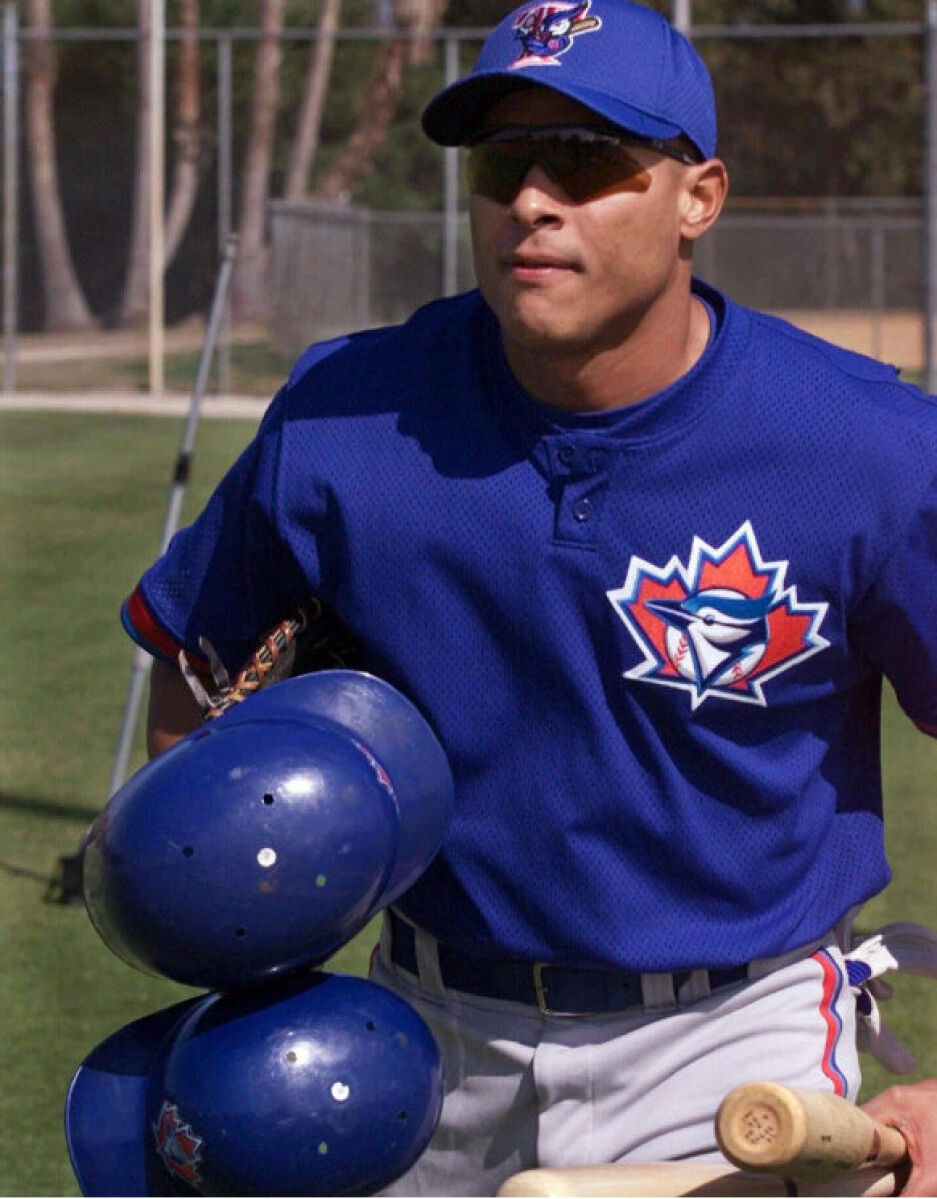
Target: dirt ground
point(896, 336)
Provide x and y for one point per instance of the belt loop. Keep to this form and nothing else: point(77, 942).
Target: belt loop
point(658, 992)
point(695, 988)
point(427, 963)
point(761, 967)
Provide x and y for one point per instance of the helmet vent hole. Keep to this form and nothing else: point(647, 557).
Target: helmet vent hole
point(401, 1115)
point(370, 1026)
point(292, 1056)
point(240, 932)
point(188, 851)
point(268, 799)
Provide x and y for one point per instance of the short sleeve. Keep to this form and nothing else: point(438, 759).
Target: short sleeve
point(895, 625)
point(230, 574)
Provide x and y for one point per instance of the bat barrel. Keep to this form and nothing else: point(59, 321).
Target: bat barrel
point(811, 1134)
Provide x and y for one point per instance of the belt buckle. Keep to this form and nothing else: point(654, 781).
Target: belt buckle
point(540, 992)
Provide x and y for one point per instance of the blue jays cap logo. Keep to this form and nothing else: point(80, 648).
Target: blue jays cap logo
point(720, 626)
point(177, 1144)
point(545, 31)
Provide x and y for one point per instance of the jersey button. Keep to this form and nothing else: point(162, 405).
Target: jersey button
point(582, 509)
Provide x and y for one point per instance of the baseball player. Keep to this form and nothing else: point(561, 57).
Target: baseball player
point(643, 558)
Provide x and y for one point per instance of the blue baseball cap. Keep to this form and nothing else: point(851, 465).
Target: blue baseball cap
point(622, 60)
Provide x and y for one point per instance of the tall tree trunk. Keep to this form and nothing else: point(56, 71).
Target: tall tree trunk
point(186, 132)
point(378, 105)
point(380, 97)
point(134, 304)
point(306, 141)
point(421, 17)
point(64, 303)
point(249, 283)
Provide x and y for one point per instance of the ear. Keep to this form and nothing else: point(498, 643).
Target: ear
point(706, 186)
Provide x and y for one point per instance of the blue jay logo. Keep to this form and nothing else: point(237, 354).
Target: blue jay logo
point(721, 625)
point(545, 31)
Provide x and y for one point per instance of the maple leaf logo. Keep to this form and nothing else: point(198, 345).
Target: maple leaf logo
point(720, 626)
point(177, 1144)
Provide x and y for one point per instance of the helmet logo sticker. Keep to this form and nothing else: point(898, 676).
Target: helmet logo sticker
point(720, 626)
point(545, 31)
point(177, 1144)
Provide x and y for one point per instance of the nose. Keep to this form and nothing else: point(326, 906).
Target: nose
point(539, 199)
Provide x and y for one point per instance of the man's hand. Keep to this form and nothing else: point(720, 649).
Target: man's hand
point(913, 1111)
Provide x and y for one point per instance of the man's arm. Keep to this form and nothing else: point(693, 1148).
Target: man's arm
point(173, 710)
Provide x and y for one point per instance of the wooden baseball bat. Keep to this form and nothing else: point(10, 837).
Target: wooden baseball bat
point(651, 1179)
point(808, 1134)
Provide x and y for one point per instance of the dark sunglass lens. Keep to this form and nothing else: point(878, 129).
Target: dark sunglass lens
point(600, 169)
point(583, 168)
point(496, 170)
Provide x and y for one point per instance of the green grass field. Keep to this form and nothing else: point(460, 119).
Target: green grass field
point(83, 501)
point(254, 368)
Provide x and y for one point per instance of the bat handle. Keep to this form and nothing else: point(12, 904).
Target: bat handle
point(807, 1134)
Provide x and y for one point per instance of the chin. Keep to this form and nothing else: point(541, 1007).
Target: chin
point(536, 325)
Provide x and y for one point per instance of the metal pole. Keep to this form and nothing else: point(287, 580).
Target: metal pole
point(140, 667)
point(225, 192)
point(930, 199)
point(157, 159)
point(683, 16)
point(10, 195)
point(878, 291)
point(450, 241)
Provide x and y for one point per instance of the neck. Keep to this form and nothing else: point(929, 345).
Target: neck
point(654, 351)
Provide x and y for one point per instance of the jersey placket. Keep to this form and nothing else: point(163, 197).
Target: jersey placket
point(579, 474)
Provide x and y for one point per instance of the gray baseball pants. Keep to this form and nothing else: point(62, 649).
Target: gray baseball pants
point(527, 1089)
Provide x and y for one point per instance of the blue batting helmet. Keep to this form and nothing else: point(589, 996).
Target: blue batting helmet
point(325, 1085)
point(265, 840)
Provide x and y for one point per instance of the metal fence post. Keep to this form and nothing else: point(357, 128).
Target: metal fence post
point(930, 199)
point(877, 289)
point(683, 16)
point(224, 199)
point(450, 239)
point(157, 196)
point(10, 195)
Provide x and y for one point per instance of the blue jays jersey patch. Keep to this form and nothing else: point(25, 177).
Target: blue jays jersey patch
point(720, 626)
point(545, 31)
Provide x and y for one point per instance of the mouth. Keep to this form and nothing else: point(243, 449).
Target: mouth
point(527, 266)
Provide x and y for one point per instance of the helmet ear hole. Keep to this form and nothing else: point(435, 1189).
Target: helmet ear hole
point(268, 799)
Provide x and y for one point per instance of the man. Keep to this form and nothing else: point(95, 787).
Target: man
point(642, 557)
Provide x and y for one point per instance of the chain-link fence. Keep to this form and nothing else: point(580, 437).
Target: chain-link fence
point(849, 270)
point(831, 159)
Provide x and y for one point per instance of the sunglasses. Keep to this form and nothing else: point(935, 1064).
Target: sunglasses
point(585, 162)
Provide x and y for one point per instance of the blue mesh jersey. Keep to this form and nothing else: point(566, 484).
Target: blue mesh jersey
point(651, 640)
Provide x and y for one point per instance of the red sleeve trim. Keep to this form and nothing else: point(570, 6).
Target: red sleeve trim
point(929, 729)
point(144, 628)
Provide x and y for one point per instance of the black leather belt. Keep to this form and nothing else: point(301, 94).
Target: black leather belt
point(557, 990)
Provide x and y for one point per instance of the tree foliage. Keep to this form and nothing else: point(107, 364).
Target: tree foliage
point(799, 116)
